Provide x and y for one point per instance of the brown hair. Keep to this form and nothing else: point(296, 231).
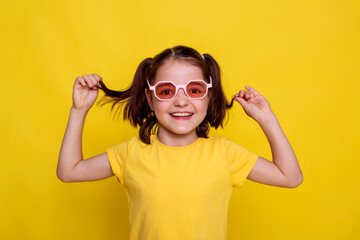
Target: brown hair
point(137, 110)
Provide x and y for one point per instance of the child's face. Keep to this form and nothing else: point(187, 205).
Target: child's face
point(181, 115)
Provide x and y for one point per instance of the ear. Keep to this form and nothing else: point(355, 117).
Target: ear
point(149, 99)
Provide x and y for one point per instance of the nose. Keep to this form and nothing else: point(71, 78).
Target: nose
point(181, 99)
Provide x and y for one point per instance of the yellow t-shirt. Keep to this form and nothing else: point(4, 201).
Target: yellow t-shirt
point(180, 192)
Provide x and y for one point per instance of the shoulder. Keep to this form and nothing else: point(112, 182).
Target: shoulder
point(218, 140)
point(227, 145)
point(215, 143)
point(134, 142)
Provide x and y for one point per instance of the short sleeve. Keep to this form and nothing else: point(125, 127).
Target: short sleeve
point(240, 162)
point(117, 156)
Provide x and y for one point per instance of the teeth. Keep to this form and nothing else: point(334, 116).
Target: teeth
point(181, 114)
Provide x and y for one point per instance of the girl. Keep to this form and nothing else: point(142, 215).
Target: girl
point(178, 180)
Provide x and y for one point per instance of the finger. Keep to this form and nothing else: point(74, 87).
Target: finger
point(87, 80)
point(237, 94)
point(97, 77)
point(80, 81)
point(93, 80)
point(252, 90)
point(242, 101)
point(247, 95)
point(242, 93)
point(251, 95)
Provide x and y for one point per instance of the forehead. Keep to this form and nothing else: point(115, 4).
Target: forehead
point(179, 72)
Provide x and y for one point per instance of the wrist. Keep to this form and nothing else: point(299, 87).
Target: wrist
point(267, 119)
point(78, 111)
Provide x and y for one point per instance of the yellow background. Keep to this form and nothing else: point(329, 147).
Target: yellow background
point(303, 56)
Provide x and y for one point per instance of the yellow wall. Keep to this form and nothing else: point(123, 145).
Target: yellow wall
point(303, 56)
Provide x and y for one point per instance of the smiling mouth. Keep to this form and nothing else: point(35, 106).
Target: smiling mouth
point(181, 114)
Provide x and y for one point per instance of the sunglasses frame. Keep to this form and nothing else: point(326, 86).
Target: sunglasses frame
point(177, 87)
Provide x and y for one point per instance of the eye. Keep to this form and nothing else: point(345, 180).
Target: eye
point(195, 90)
point(165, 92)
point(165, 89)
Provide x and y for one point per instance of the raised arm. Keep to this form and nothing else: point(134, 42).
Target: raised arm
point(284, 171)
point(71, 165)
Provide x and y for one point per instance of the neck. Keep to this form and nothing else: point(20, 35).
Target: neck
point(176, 140)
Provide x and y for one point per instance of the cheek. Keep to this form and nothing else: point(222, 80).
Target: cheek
point(206, 103)
point(202, 107)
point(160, 107)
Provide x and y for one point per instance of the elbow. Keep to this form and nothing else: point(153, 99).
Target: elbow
point(297, 182)
point(62, 177)
point(64, 180)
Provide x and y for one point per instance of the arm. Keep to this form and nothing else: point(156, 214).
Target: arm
point(284, 171)
point(71, 166)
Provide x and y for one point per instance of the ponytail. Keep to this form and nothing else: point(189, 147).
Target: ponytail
point(218, 103)
point(136, 110)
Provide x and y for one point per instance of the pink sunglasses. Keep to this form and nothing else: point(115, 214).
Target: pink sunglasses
point(167, 90)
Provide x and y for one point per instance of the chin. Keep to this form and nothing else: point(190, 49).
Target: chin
point(180, 131)
point(184, 132)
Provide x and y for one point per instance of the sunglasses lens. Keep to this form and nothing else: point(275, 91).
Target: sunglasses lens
point(196, 89)
point(165, 90)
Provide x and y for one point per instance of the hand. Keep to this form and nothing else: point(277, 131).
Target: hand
point(254, 104)
point(85, 91)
